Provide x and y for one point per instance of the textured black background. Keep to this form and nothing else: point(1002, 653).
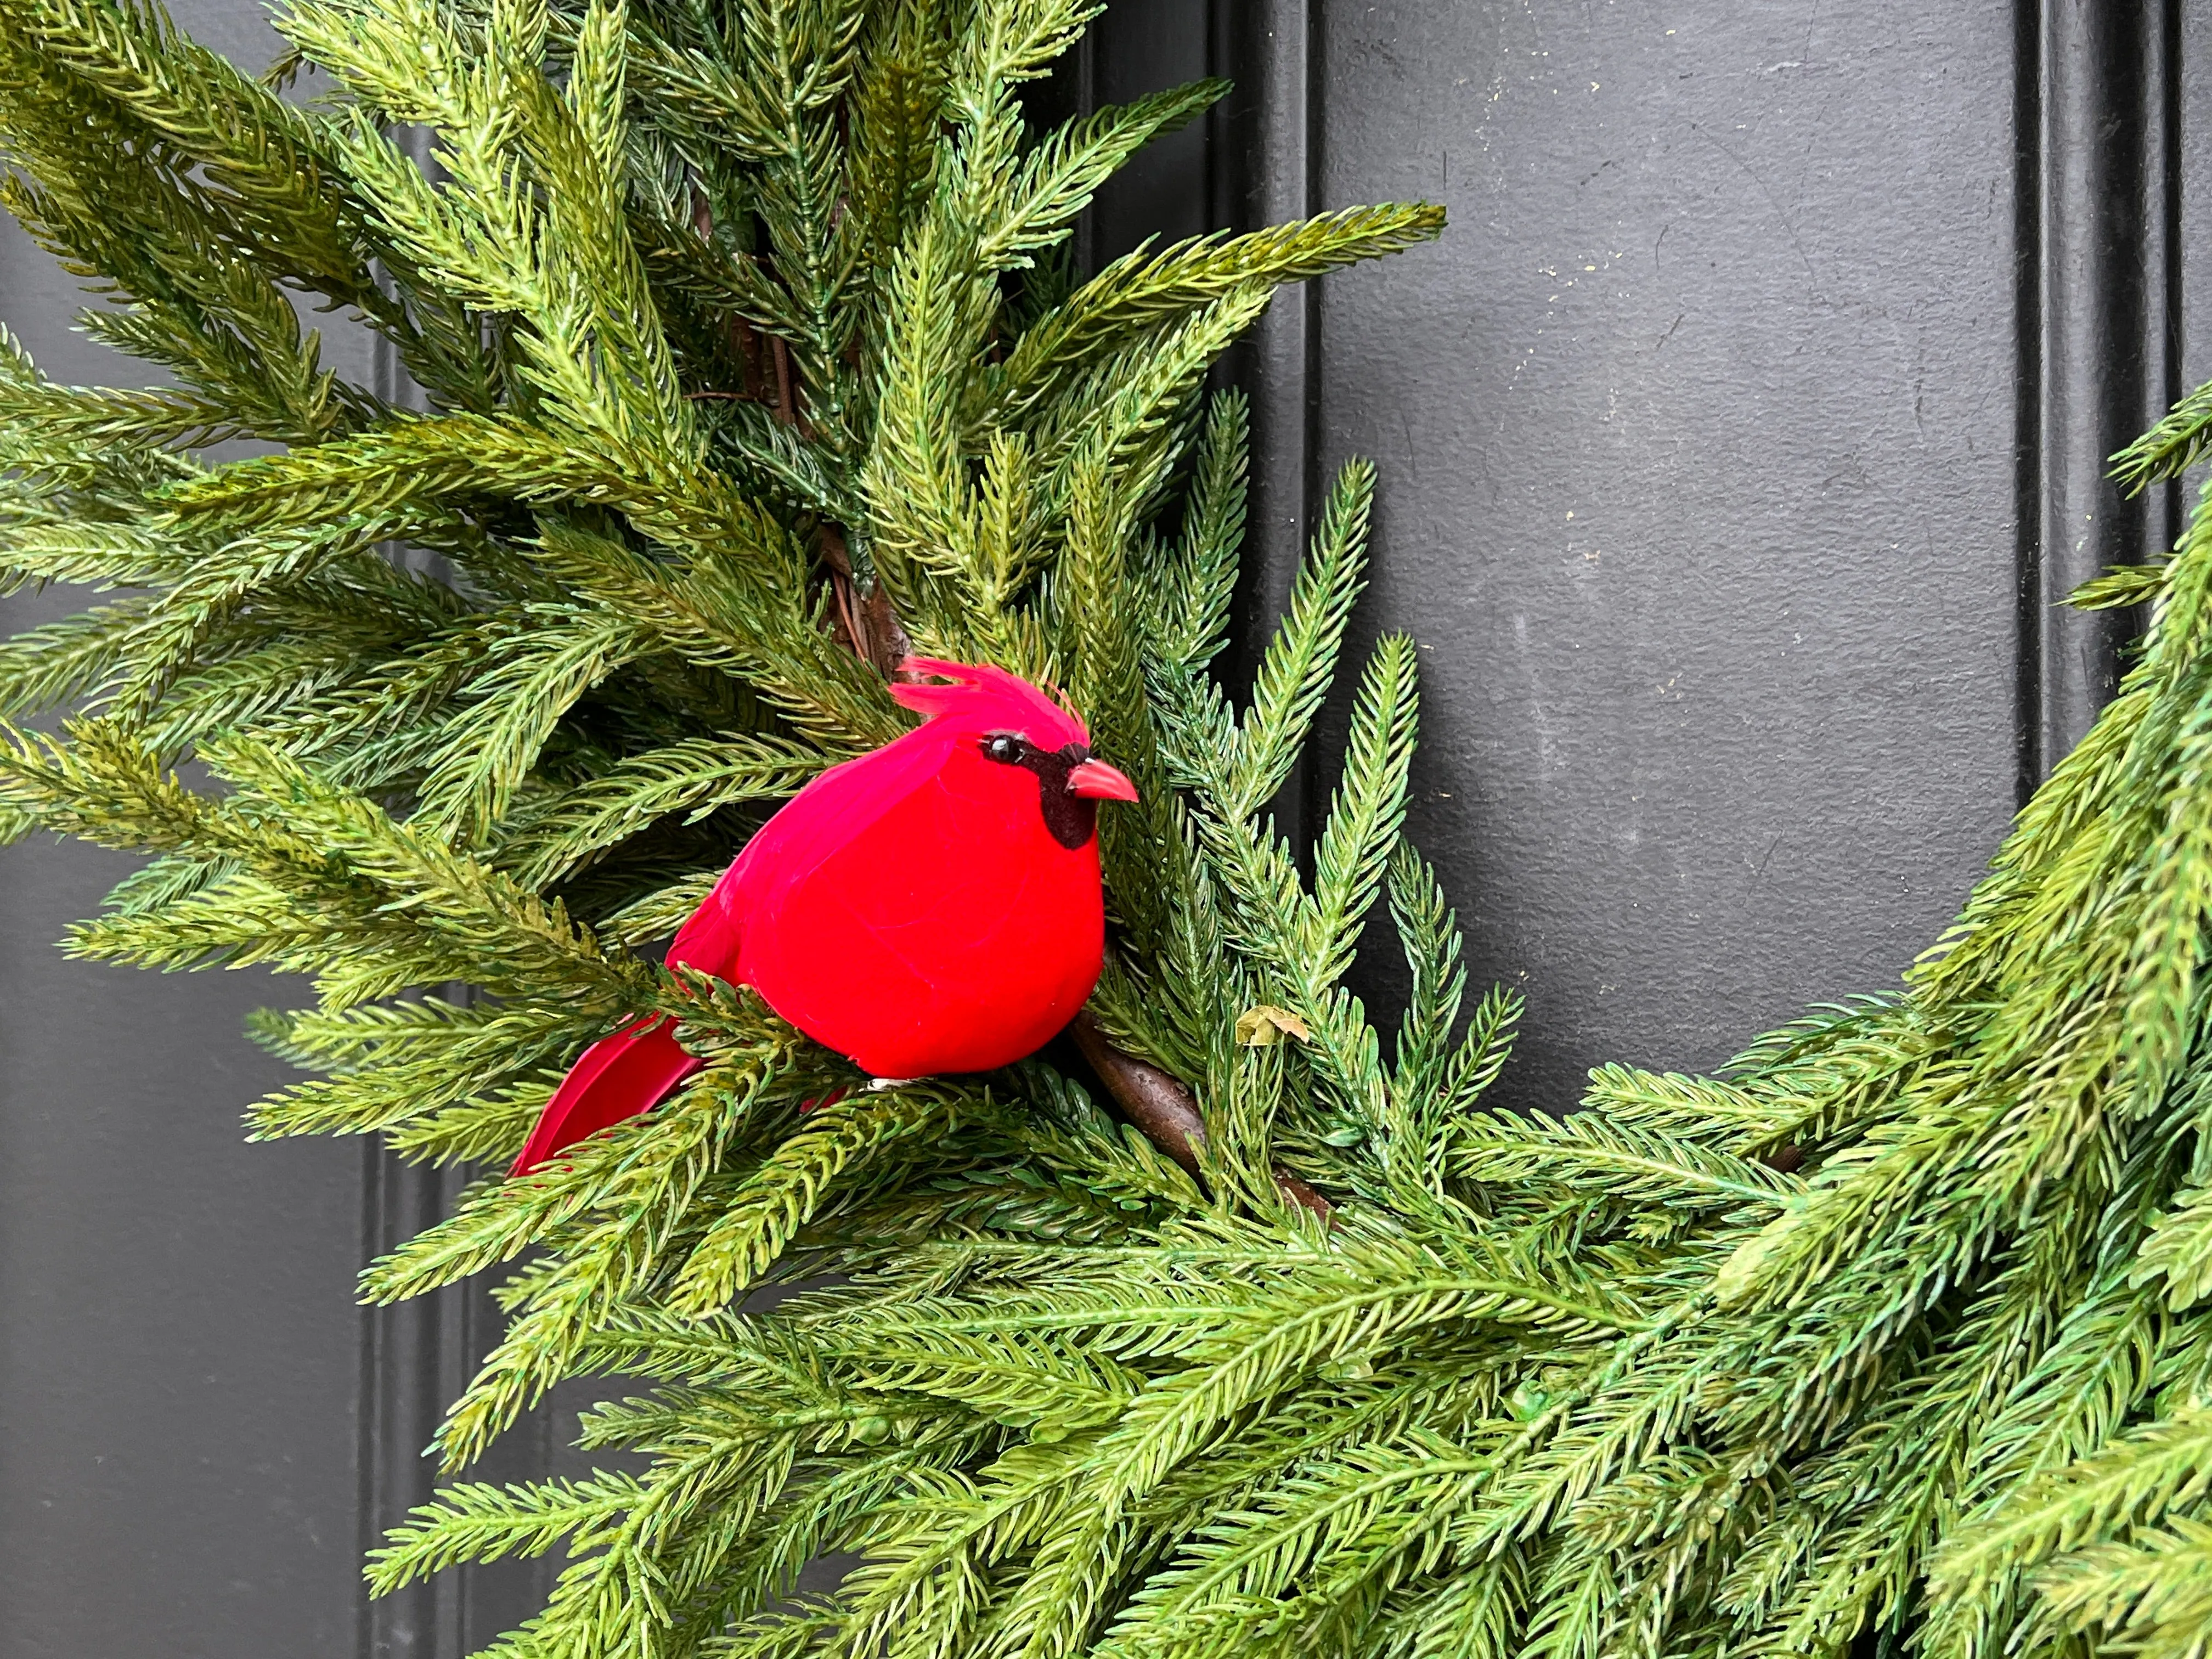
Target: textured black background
point(1733, 442)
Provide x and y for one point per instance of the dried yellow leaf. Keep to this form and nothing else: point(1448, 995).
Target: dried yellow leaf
point(1258, 1027)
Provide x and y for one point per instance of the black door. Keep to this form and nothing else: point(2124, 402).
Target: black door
point(1734, 442)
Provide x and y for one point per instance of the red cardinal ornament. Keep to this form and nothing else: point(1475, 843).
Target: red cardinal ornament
point(933, 905)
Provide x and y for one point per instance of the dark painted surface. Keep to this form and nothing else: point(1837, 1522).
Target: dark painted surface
point(177, 1349)
point(180, 1353)
point(1705, 436)
point(2099, 211)
point(2192, 82)
point(1696, 437)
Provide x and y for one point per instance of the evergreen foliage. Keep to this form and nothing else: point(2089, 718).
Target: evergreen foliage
point(749, 349)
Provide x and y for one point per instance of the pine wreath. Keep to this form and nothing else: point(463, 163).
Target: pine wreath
point(749, 352)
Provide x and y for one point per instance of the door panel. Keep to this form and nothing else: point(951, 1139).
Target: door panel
point(1696, 436)
point(180, 1358)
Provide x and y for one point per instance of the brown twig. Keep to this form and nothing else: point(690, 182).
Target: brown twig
point(871, 628)
point(741, 333)
point(786, 395)
point(889, 644)
point(1164, 1111)
point(847, 620)
point(1298, 1193)
point(748, 355)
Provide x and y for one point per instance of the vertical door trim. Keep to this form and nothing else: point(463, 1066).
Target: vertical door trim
point(1268, 166)
point(415, 1356)
point(406, 1352)
point(412, 1358)
point(2098, 201)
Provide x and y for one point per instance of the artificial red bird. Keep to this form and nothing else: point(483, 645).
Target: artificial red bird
point(933, 905)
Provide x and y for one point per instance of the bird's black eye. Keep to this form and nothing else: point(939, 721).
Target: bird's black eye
point(1005, 748)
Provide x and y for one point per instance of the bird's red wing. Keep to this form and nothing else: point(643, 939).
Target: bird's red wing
point(617, 1078)
point(954, 934)
point(841, 804)
point(634, 1070)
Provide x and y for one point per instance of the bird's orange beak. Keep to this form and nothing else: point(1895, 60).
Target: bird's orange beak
point(1095, 780)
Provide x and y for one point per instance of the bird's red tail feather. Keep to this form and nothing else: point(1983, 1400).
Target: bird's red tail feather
point(631, 1071)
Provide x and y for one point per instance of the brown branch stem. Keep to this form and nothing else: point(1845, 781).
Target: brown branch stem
point(870, 627)
point(1164, 1111)
point(786, 394)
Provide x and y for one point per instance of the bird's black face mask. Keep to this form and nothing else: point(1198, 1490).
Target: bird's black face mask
point(1070, 819)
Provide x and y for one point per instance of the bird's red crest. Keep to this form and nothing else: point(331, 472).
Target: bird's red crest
point(982, 698)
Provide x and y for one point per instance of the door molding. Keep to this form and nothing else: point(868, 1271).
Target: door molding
point(2098, 213)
